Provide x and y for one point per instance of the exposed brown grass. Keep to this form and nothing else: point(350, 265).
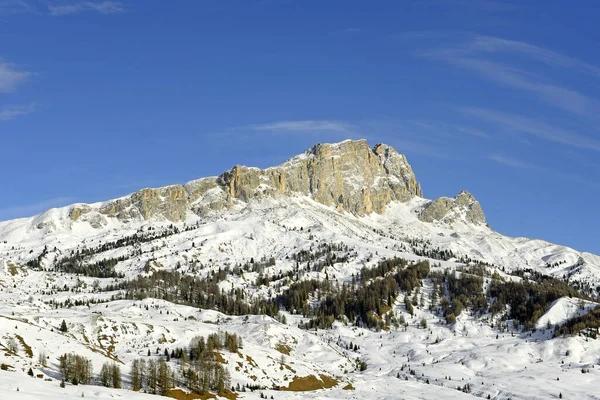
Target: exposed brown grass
point(348, 387)
point(283, 348)
point(220, 358)
point(328, 381)
point(309, 383)
point(251, 361)
point(12, 269)
point(292, 370)
point(182, 395)
point(25, 346)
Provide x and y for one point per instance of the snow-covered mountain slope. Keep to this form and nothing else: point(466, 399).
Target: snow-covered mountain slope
point(258, 210)
point(332, 211)
point(565, 309)
point(273, 227)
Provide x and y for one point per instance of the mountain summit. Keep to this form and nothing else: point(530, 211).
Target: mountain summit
point(463, 206)
point(349, 176)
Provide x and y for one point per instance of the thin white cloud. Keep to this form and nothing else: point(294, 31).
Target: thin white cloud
point(532, 127)
point(348, 31)
point(411, 146)
point(473, 132)
point(514, 163)
point(487, 6)
point(11, 112)
point(578, 179)
point(103, 7)
point(315, 126)
point(557, 96)
point(473, 53)
point(11, 78)
point(548, 57)
point(9, 7)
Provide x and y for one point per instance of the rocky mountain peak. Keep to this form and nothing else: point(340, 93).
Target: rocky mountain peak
point(463, 207)
point(349, 176)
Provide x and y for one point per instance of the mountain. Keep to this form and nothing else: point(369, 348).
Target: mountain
point(350, 177)
point(258, 253)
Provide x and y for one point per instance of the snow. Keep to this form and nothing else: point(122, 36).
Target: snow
point(36, 389)
point(565, 309)
point(503, 365)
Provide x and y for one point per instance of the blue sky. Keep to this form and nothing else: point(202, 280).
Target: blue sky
point(101, 98)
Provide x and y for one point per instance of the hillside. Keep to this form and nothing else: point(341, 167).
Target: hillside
point(295, 261)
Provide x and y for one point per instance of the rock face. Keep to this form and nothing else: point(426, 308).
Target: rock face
point(349, 176)
point(462, 207)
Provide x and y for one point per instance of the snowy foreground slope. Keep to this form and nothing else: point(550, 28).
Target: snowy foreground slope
point(482, 355)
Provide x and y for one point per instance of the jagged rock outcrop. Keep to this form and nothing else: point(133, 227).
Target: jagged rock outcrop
point(462, 207)
point(349, 176)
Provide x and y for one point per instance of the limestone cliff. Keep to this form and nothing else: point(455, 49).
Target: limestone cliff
point(462, 207)
point(349, 176)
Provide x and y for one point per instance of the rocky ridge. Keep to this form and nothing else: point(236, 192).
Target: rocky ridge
point(349, 176)
point(462, 206)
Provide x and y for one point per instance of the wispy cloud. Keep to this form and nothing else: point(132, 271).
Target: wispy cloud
point(11, 112)
point(27, 210)
point(473, 132)
point(566, 99)
point(11, 78)
point(474, 53)
point(10, 7)
point(59, 8)
point(548, 57)
point(513, 163)
point(491, 6)
point(307, 126)
point(411, 146)
point(533, 127)
point(578, 179)
point(103, 7)
point(348, 31)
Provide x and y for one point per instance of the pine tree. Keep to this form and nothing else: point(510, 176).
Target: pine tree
point(105, 377)
point(116, 375)
point(75, 368)
point(63, 326)
point(163, 377)
point(110, 375)
point(136, 376)
point(151, 376)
